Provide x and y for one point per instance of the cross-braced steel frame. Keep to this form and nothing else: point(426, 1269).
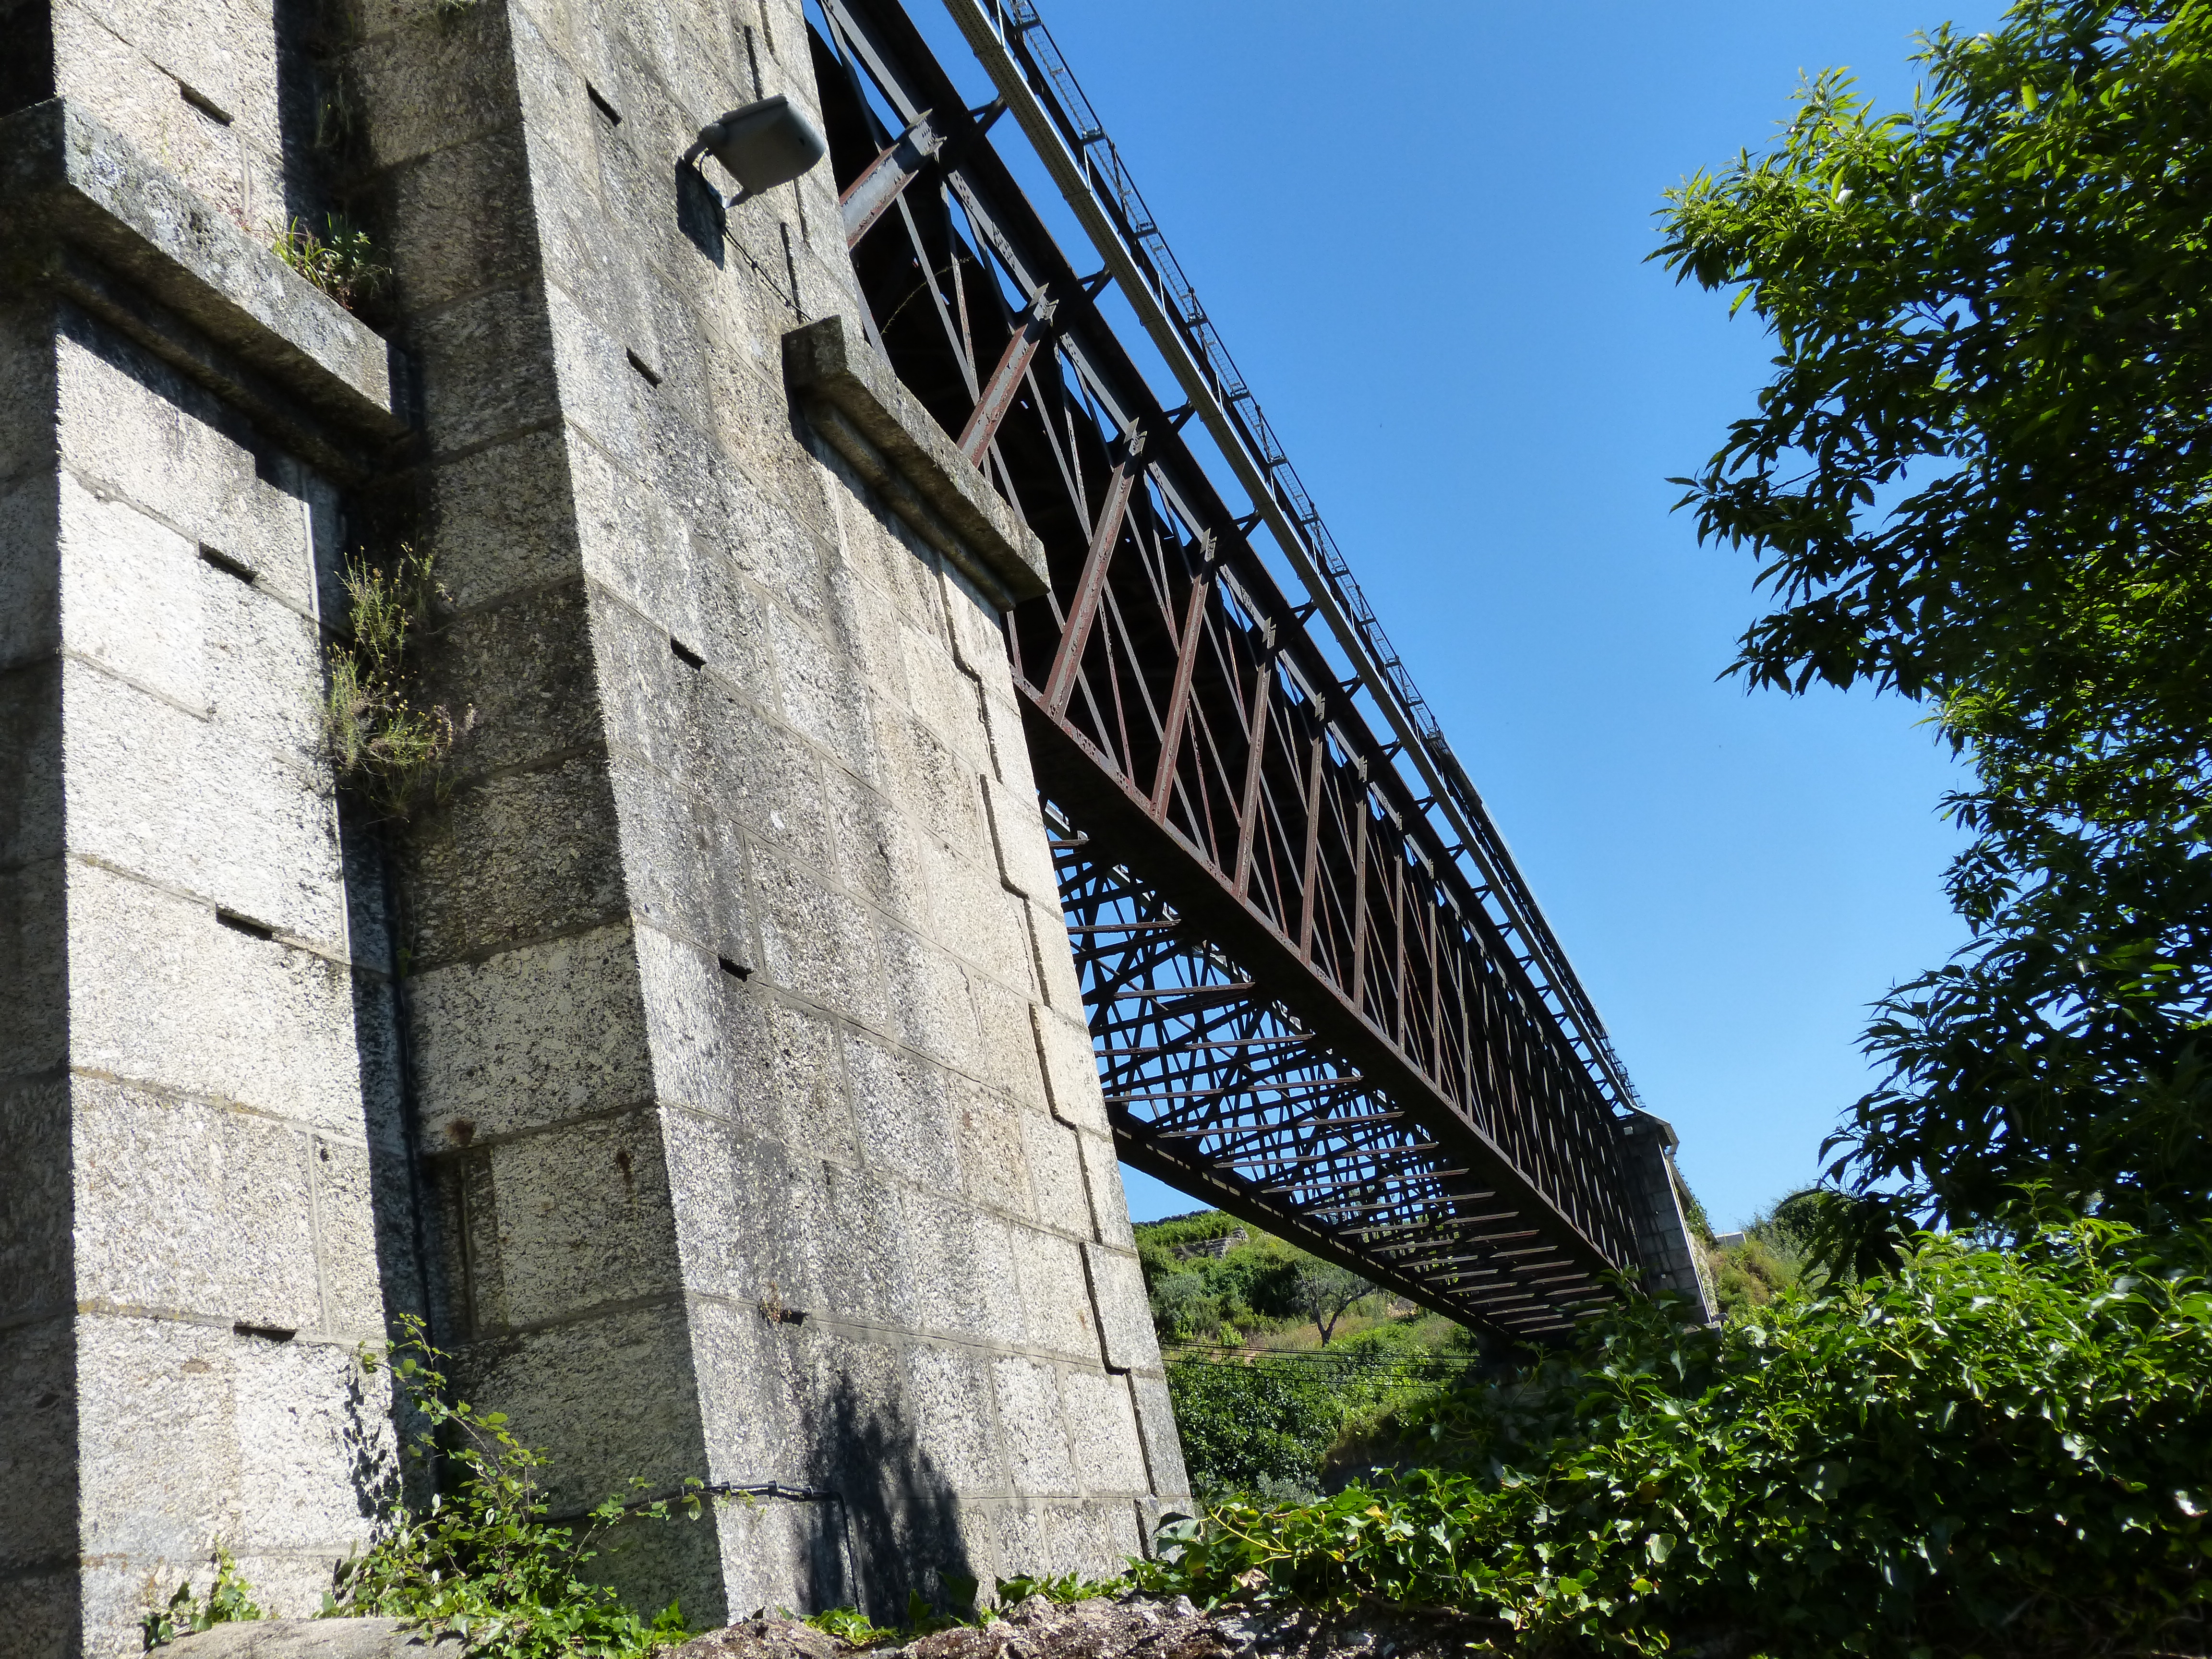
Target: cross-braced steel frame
point(1305, 1008)
point(1219, 1088)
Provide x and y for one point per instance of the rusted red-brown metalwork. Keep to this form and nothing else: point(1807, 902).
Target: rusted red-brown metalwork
point(1301, 1009)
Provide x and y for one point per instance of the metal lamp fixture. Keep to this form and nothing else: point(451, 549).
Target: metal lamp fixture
point(761, 145)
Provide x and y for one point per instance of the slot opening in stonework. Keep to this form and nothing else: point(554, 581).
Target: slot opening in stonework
point(652, 375)
point(244, 924)
point(266, 1333)
point(736, 970)
point(684, 655)
point(599, 103)
point(205, 105)
point(229, 567)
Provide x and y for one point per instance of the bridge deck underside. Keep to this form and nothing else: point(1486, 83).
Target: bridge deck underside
point(1302, 1011)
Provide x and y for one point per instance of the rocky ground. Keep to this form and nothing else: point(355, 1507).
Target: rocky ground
point(1129, 1627)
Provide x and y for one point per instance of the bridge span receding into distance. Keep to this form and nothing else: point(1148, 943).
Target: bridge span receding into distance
point(888, 782)
point(1321, 996)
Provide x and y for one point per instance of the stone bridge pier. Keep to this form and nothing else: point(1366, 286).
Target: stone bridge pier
point(708, 1069)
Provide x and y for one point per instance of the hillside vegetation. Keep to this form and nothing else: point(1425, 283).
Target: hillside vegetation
point(1983, 1452)
point(1275, 1359)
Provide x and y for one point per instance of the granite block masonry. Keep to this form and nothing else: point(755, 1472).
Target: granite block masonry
point(707, 1071)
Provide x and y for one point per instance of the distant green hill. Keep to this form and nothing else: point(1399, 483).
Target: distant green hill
point(1261, 1398)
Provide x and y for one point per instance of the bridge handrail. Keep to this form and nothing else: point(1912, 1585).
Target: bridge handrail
point(1025, 65)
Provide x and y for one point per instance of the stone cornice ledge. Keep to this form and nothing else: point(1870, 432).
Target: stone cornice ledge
point(856, 402)
point(66, 178)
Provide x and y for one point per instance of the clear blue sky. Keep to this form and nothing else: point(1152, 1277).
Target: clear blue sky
point(1421, 229)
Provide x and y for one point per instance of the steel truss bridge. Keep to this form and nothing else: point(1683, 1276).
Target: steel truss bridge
point(1320, 995)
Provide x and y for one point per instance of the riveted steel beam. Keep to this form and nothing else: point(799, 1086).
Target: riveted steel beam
point(870, 196)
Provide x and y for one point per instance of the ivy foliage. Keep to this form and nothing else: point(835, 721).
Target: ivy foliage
point(1061, 1587)
point(1989, 1452)
point(1980, 476)
point(483, 1560)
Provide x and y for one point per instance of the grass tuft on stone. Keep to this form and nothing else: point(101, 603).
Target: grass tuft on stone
point(385, 744)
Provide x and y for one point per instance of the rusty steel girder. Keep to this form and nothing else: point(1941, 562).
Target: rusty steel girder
point(1303, 1010)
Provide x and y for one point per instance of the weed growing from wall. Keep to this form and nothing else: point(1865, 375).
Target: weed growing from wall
point(339, 259)
point(229, 1600)
point(484, 1560)
point(386, 746)
point(340, 123)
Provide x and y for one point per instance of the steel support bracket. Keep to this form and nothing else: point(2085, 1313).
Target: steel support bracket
point(869, 196)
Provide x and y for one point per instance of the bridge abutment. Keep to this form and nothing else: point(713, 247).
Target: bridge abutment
point(720, 1089)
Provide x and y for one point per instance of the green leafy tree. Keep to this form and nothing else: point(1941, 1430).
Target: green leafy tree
point(1981, 477)
point(1250, 1424)
point(1183, 1310)
point(1327, 1293)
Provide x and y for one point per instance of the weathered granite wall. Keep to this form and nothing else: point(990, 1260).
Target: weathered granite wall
point(735, 1022)
point(749, 1045)
point(196, 1051)
point(1675, 1262)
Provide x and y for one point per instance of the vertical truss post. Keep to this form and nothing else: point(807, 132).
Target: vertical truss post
point(1310, 862)
point(1247, 804)
point(1359, 900)
point(1398, 1001)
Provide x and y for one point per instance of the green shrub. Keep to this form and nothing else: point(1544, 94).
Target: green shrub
point(483, 1560)
point(1986, 1453)
point(1192, 1297)
point(1771, 1258)
point(1750, 1275)
point(1394, 1339)
point(1246, 1422)
point(1195, 1228)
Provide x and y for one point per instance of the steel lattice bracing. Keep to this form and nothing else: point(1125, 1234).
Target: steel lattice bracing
point(1307, 1007)
point(1219, 1089)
